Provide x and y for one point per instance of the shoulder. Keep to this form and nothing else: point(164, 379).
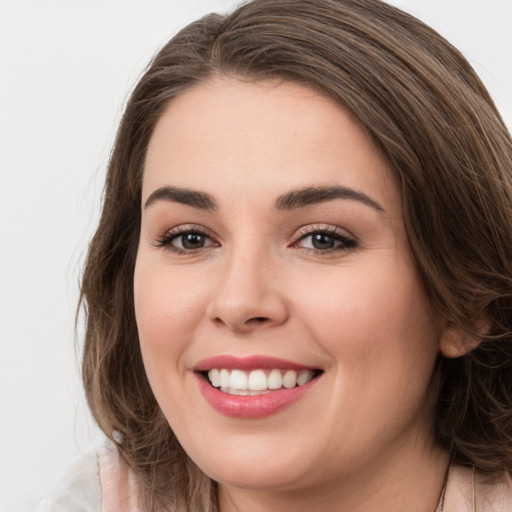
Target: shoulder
point(494, 492)
point(470, 491)
point(79, 490)
point(121, 488)
point(100, 481)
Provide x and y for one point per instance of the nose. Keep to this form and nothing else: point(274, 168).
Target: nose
point(247, 295)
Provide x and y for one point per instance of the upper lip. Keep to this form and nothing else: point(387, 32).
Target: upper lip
point(255, 362)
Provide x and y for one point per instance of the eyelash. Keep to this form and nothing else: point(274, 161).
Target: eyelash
point(344, 242)
point(166, 240)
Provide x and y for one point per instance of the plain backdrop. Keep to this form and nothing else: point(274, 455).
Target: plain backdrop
point(66, 68)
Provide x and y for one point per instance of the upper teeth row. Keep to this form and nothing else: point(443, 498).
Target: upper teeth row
point(258, 380)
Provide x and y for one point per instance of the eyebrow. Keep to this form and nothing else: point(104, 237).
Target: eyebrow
point(290, 201)
point(314, 195)
point(193, 198)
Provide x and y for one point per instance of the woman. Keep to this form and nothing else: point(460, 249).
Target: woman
point(299, 294)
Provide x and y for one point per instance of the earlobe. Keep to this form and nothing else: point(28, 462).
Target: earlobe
point(453, 343)
point(456, 342)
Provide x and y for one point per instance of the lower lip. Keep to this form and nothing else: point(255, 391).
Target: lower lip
point(256, 406)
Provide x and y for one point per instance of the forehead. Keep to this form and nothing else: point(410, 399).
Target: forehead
point(267, 137)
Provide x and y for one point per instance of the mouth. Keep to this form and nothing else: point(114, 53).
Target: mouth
point(258, 381)
point(255, 386)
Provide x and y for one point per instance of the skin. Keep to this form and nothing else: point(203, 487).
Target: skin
point(359, 440)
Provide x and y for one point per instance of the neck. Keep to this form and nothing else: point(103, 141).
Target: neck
point(405, 481)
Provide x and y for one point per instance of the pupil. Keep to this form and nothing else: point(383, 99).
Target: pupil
point(192, 240)
point(321, 241)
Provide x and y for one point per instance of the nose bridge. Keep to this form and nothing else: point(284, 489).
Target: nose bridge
point(247, 295)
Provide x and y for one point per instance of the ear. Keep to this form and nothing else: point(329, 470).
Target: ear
point(456, 342)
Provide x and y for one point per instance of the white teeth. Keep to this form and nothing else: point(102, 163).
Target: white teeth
point(275, 379)
point(224, 378)
point(214, 376)
point(238, 380)
point(243, 392)
point(234, 391)
point(290, 379)
point(304, 376)
point(256, 382)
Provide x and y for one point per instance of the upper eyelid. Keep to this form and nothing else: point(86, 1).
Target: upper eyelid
point(188, 228)
point(298, 234)
point(348, 241)
point(308, 229)
point(165, 239)
point(303, 230)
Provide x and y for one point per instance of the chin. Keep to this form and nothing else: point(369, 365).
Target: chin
point(266, 477)
point(261, 467)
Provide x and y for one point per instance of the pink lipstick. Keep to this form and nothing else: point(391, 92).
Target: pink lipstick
point(253, 387)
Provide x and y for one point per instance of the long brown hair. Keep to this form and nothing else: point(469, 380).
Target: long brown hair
point(451, 156)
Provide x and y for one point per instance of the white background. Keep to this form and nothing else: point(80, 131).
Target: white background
point(66, 68)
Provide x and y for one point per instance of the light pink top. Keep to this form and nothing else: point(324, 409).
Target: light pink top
point(118, 483)
point(102, 482)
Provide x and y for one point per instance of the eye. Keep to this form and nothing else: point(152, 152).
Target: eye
point(185, 240)
point(190, 241)
point(325, 240)
point(320, 241)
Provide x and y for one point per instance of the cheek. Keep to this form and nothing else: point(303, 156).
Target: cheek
point(376, 329)
point(375, 319)
point(167, 310)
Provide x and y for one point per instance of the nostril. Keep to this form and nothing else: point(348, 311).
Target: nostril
point(257, 320)
point(252, 321)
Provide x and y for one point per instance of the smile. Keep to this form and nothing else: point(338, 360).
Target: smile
point(253, 387)
point(257, 382)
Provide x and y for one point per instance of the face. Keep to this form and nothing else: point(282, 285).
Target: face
point(283, 326)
